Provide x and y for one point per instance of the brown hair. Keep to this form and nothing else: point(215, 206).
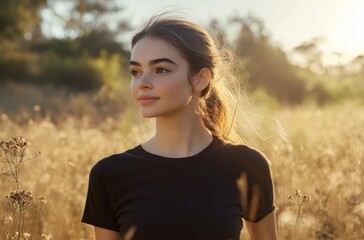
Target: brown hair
point(201, 51)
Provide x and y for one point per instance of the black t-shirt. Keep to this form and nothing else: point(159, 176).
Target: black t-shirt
point(191, 198)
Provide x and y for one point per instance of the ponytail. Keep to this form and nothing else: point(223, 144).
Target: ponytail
point(214, 114)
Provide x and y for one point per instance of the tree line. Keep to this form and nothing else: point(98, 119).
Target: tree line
point(89, 54)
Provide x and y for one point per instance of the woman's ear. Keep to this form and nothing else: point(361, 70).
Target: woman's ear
point(201, 79)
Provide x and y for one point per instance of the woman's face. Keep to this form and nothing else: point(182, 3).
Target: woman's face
point(159, 81)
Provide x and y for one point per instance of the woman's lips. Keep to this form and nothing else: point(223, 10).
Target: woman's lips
point(147, 100)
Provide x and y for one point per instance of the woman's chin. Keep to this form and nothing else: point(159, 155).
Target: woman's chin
point(148, 114)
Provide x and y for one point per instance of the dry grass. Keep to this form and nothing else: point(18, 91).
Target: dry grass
point(323, 157)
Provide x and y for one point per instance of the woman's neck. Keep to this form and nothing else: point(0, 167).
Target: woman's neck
point(179, 137)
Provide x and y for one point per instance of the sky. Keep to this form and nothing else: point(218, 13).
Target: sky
point(289, 22)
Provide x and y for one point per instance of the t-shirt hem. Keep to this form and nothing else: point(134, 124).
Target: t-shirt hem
point(97, 223)
point(261, 216)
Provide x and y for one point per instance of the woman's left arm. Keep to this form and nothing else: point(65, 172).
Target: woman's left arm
point(265, 229)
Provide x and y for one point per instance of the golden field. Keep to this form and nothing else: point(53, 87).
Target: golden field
point(320, 152)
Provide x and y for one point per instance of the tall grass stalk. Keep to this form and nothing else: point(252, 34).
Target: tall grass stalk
point(13, 154)
point(300, 199)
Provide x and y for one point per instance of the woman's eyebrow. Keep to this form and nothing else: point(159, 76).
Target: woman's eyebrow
point(154, 62)
point(159, 60)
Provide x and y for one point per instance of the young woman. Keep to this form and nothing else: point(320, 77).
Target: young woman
point(191, 180)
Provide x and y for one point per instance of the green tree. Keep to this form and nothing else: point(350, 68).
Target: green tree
point(312, 54)
point(82, 17)
point(91, 44)
point(89, 27)
point(267, 65)
point(21, 19)
point(357, 67)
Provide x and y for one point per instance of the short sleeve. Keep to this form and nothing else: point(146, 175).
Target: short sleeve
point(257, 190)
point(98, 210)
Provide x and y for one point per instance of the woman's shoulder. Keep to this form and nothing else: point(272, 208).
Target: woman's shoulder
point(240, 149)
point(241, 158)
point(243, 154)
point(117, 161)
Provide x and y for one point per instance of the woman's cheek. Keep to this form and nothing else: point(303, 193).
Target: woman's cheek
point(133, 88)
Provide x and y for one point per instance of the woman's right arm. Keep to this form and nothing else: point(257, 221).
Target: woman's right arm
point(106, 234)
point(265, 229)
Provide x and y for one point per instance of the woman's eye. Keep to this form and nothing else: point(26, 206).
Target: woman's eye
point(134, 72)
point(161, 70)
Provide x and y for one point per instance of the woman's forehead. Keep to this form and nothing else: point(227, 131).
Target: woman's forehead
point(149, 48)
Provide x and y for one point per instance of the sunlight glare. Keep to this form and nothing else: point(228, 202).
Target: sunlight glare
point(349, 35)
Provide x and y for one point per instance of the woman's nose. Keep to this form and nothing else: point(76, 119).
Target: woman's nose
point(145, 82)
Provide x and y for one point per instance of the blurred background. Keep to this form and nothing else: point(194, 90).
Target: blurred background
point(64, 84)
point(291, 52)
